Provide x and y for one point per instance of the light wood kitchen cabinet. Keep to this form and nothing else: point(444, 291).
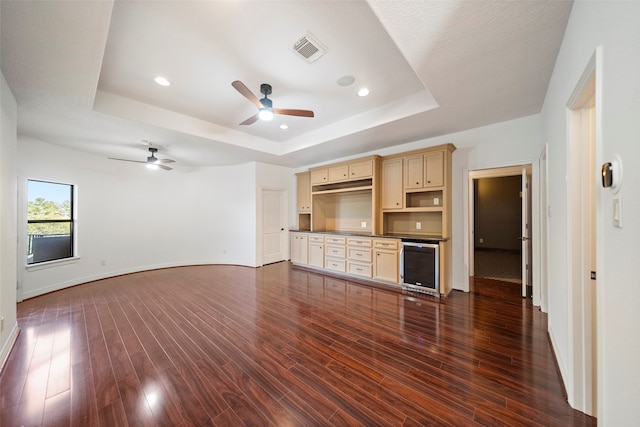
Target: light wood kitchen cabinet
point(386, 265)
point(424, 171)
point(392, 184)
point(359, 257)
point(386, 260)
point(299, 248)
point(335, 253)
point(319, 176)
point(361, 170)
point(304, 192)
point(339, 173)
point(316, 250)
point(434, 169)
point(413, 172)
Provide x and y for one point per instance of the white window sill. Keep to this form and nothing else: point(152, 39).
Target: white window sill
point(51, 264)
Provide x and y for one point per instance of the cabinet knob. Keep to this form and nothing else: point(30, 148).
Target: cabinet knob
point(417, 183)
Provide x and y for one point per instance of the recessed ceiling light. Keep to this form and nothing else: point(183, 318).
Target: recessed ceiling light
point(284, 127)
point(346, 80)
point(162, 81)
point(363, 92)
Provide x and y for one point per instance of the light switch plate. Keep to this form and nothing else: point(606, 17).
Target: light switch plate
point(363, 224)
point(617, 212)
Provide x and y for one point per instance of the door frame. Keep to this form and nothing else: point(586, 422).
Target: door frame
point(284, 218)
point(495, 172)
point(584, 152)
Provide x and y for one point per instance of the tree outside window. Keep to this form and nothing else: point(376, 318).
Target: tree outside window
point(50, 221)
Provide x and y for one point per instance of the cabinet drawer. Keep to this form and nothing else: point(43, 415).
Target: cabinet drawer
point(363, 243)
point(386, 244)
point(316, 238)
point(335, 251)
point(360, 254)
point(331, 240)
point(335, 264)
point(359, 269)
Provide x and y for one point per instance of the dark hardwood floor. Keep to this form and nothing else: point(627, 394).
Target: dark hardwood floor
point(279, 346)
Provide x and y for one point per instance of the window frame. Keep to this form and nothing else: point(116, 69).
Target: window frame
point(71, 221)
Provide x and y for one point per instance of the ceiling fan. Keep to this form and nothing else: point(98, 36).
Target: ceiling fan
point(265, 105)
point(152, 161)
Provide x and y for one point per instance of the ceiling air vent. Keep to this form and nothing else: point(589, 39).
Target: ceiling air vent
point(309, 48)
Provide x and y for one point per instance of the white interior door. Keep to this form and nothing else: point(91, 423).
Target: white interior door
point(274, 220)
point(525, 232)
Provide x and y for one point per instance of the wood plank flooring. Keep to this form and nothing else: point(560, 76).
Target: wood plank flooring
point(279, 346)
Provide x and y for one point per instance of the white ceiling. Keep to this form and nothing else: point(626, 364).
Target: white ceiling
point(82, 73)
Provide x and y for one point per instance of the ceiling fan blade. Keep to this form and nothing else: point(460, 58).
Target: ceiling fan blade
point(126, 160)
point(161, 161)
point(250, 120)
point(244, 91)
point(167, 168)
point(290, 112)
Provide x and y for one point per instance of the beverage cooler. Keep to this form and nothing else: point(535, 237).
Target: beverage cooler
point(420, 266)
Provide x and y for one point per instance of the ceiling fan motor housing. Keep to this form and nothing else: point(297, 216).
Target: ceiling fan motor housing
point(265, 89)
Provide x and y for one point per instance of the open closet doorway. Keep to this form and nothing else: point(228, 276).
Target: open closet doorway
point(500, 225)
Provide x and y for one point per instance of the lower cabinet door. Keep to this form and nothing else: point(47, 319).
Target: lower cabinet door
point(386, 266)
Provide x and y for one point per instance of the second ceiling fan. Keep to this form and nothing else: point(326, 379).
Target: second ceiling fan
point(265, 105)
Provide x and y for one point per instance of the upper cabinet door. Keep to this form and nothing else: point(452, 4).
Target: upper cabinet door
point(392, 184)
point(339, 173)
point(434, 169)
point(413, 171)
point(361, 170)
point(319, 176)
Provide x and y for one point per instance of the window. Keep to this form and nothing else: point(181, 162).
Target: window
point(49, 221)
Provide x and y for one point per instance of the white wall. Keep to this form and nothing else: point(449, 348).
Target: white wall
point(8, 124)
point(614, 27)
point(133, 219)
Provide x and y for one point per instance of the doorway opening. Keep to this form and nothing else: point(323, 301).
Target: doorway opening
point(497, 219)
point(500, 225)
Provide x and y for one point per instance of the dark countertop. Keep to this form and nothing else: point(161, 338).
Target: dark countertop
point(408, 237)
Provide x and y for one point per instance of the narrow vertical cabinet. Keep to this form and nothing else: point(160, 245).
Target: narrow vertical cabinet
point(304, 192)
point(299, 248)
point(303, 200)
point(391, 197)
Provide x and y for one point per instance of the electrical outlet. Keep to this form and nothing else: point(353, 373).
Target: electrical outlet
point(418, 226)
point(363, 224)
point(481, 240)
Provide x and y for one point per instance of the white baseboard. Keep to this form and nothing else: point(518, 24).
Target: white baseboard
point(8, 345)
